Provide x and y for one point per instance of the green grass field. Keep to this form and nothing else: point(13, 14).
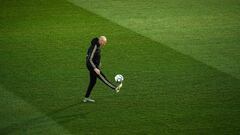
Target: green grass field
point(180, 60)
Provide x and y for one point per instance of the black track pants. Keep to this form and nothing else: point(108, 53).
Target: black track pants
point(93, 80)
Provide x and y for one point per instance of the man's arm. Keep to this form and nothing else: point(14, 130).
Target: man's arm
point(92, 52)
point(91, 59)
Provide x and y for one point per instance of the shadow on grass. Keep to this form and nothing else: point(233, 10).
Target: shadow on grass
point(48, 119)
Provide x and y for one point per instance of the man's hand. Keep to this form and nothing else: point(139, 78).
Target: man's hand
point(97, 71)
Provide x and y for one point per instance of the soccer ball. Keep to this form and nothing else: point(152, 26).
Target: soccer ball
point(118, 78)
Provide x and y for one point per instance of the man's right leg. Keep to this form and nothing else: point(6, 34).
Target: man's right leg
point(104, 79)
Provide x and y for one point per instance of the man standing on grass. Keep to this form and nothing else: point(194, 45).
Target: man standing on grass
point(93, 62)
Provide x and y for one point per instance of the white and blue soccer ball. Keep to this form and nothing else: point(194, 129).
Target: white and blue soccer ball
point(119, 78)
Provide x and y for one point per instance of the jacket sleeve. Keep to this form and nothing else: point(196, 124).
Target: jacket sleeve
point(92, 52)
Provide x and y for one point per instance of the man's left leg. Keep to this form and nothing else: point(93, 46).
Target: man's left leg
point(93, 79)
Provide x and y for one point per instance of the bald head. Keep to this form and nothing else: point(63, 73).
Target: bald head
point(102, 40)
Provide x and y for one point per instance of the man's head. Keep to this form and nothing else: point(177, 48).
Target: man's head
point(102, 40)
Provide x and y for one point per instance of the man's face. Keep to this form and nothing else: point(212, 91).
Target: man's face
point(102, 42)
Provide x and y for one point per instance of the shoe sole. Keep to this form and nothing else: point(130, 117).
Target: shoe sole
point(88, 101)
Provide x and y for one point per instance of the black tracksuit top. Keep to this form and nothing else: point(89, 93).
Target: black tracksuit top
point(93, 54)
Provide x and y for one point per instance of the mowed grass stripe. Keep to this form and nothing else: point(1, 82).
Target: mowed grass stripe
point(148, 38)
point(205, 30)
point(20, 117)
point(164, 91)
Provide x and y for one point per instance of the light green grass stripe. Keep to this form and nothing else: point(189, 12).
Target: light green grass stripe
point(209, 33)
point(19, 117)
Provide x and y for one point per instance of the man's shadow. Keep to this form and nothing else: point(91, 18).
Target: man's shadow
point(47, 119)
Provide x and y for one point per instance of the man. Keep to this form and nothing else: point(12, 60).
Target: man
point(93, 63)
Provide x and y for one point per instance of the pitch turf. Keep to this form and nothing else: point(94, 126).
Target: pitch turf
point(43, 77)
